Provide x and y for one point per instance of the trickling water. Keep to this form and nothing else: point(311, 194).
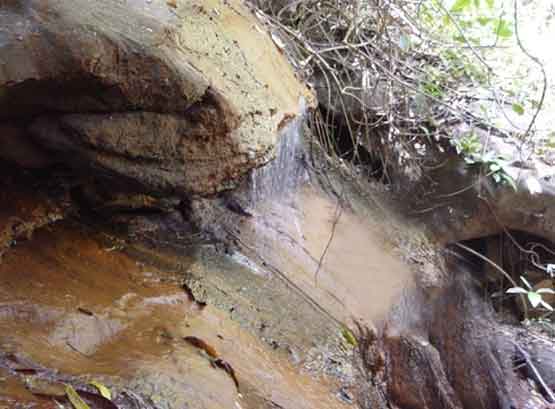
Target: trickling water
point(353, 273)
point(286, 172)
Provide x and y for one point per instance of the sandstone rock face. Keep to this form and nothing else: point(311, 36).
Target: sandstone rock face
point(461, 202)
point(179, 99)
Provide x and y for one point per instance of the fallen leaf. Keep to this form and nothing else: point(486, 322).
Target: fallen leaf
point(217, 362)
point(172, 3)
point(75, 399)
point(26, 371)
point(97, 401)
point(104, 391)
point(85, 311)
point(200, 344)
point(220, 363)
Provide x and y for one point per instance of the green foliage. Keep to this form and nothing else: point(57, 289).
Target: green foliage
point(459, 66)
point(461, 5)
point(534, 296)
point(472, 151)
point(103, 389)
point(470, 24)
point(469, 145)
point(502, 28)
point(518, 108)
point(432, 88)
point(349, 337)
point(76, 401)
point(470, 12)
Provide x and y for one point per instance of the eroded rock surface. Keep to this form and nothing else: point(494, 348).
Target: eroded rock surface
point(172, 99)
point(127, 322)
point(458, 201)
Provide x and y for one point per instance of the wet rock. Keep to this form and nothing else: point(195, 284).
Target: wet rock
point(459, 203)
point(542, 356)
point(417, 378)
point(477, 360)
point(458, 357)
point(135, 334)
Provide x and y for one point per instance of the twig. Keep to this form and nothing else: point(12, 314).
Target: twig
point(536, 374)
point(499, 269)
point(337, 215)
point(280, 274)
point(538, 62)
point(77, 350)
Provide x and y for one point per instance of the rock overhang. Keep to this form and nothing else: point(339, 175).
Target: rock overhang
point(183, 100)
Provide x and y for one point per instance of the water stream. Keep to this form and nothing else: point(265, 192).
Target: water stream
point(342, 260)
point(287, 172)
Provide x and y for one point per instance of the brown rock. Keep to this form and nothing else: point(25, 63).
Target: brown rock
point(15, 147)
point(417, 378)
point(183, 100)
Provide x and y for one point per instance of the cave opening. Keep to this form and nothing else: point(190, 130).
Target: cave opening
point(511, 259)
point(351, 142)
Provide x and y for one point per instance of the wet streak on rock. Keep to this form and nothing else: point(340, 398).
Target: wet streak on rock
point(416, 377)
point(459, 358)
point(286, 173)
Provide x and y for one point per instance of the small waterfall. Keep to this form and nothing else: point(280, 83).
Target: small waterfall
point(286, 172)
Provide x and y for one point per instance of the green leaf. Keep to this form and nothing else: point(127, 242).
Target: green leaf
point(477, 4)
point(460, 5)
point(483, 20)
point(502, 29)
point(517, 290)
point(534, 298)
point(75, 399)
point(518, 108)
point(104, 391)
point(466, 24)
point(494, 167)
point(490, 3)
point(349, 337)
